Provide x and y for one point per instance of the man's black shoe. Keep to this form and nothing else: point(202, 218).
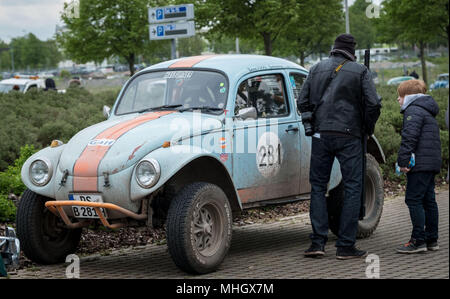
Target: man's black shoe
point(346, 253)
point(315, 251)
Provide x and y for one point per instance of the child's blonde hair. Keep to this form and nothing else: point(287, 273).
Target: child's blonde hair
point(411, 87)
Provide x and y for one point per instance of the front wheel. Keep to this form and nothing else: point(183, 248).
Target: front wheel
point(43, 236)
point(199, 228)
point(373, 202)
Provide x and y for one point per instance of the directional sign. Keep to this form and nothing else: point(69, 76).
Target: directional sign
point(171, 13)
point(172, 30)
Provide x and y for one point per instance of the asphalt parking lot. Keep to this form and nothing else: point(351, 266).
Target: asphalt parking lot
point(275, 250)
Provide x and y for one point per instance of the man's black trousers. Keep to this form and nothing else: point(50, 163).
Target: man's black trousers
point(348, 151)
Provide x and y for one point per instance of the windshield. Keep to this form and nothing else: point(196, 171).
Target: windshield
point(180, 89)
point(4, 88)
point(443, 78)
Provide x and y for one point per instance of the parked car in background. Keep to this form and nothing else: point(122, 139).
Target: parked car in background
point(188, 143)
point(398, 80)
point(22, 83)
point(441, 82)
point(434, 55)
point(6, 75)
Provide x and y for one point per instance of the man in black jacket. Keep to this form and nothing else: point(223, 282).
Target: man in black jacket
point(339, 106)
point(420, 136)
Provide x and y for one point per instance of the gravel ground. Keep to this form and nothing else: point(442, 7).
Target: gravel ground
point(103, 240)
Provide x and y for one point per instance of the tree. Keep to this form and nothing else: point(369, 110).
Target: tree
point(227, 44)
point(107, 28)
point(313, 28)
point(29, 53)
point(414, 21)
point(361, 26)
point(248, 19)
point(191, 46)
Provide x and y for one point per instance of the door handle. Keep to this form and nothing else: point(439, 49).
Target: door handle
point(291, 129)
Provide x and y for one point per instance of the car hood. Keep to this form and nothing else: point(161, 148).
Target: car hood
point(118, 143)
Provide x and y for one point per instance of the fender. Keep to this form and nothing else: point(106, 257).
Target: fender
point(374, 148)
point(184, 155)
point(52, 154)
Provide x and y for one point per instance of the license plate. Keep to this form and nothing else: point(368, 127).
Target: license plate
point(86, 212)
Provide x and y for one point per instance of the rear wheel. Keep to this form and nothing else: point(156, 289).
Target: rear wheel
point(199, 228)
point(43, 236)
point(373, 203)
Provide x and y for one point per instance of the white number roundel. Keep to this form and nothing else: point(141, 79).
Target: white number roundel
point(269, 154)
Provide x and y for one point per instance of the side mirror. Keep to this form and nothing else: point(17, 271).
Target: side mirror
point(106, 111)
point(247, 113)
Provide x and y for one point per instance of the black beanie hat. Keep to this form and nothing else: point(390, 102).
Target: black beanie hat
point(345, 42)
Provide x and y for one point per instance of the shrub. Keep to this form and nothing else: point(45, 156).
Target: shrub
point(10, 180)
point(65, 74)
point(38, 117)
point(7, 209)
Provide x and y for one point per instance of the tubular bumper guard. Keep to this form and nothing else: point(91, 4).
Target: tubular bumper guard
point(56, 207)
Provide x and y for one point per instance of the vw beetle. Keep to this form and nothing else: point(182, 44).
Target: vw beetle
point(187, 144)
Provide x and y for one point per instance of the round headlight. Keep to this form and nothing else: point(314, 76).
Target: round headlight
point(40, 172)
point(147, 173)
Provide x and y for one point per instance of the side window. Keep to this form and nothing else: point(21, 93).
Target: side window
point(297, 81)
point(266, 93)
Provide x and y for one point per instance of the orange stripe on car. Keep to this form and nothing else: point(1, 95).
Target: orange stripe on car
point(85, 168)
point(190, 61)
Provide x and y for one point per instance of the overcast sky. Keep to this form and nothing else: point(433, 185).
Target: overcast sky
point(19, 17)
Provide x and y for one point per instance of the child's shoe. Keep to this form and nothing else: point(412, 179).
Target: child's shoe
point(412, 247)
point(432, 245)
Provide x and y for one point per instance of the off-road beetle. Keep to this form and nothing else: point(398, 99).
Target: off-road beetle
point(187, 144)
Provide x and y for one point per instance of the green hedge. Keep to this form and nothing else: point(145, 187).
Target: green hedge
point(10, 182)
point(389, 127)
point(38, 117)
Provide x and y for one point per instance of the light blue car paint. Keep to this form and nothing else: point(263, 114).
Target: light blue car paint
point(145, 141)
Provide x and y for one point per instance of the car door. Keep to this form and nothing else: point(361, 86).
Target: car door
point(296, 80)
point(266, 153)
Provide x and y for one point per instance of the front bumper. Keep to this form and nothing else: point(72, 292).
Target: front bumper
point(56, 207)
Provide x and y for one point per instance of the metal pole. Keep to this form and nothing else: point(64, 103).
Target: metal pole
point(12, 59)
point(173, 51)
point(347, 20)
point(237, 45)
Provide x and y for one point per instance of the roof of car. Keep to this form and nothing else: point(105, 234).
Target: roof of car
point(17, 81)
point(234, 65)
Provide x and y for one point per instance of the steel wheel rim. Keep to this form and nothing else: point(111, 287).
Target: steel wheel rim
point(53, 228)
point(207, 228)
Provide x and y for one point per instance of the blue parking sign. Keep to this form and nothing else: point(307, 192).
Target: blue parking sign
point(159, 14)
point(160, 31)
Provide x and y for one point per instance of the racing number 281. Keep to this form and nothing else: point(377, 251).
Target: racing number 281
point(268, 156)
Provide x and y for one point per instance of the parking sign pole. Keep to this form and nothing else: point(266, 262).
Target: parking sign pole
point(173, 52)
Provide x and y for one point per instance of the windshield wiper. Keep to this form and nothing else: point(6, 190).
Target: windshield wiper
point(159, 107)
point(203, 108)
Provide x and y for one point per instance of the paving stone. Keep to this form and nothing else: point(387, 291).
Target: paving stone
point(276, 251)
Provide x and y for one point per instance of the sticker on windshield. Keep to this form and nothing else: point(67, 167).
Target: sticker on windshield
point(178, 75)
point(269, 154)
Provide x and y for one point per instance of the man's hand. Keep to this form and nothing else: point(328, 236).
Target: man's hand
point(405, 169)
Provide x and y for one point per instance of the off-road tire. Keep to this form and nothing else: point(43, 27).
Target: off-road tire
point(39, 243)
point(184, 214)
point(374, 201)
